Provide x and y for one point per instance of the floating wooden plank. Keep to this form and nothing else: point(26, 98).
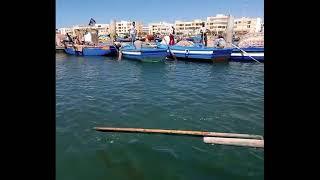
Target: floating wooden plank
point(235, 141)
point(181, 132)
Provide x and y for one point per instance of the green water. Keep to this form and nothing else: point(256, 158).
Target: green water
point(100, 91)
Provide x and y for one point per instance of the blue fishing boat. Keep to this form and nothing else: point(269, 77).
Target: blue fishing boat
point(91, 51)
point(198, 52)
point(255, 52)
point(144, 54)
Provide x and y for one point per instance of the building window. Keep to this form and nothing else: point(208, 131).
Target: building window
point(248, 26)
point(249, 22)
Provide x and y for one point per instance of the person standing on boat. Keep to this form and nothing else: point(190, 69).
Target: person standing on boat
point(172, 32)
point(87, 38)
point(133, 32)
point(68, 38)
point(203, 32)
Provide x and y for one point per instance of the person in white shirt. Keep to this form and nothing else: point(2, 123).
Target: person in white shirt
point(87, 38)
point(133, 32)
point(203, 32)
point(220, 42)
point(165, 40)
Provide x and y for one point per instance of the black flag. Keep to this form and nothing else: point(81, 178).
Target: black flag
point(92, 22)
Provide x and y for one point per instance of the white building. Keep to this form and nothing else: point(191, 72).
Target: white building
point(161, 27)
point(246, 24)
point(188, 27)
point(123, 27)
point(145, 29)
point(103, 29)
point(65, 30)
point(259, 25)
point(217, 24)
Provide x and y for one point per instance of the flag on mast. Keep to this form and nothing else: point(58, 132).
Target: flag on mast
point(92, 22)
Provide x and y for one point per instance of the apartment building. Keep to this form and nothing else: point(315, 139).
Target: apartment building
point(246, 24)
point(123, 27)
point(217, 24)
point(145, 29)
point(65, 30)
point(103, 29)
point(188, 27)
point(161, 27)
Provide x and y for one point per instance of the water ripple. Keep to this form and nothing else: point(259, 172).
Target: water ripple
point(100, 91)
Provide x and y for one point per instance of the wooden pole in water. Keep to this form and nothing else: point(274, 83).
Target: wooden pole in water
point(234, 141)
point(181, 132)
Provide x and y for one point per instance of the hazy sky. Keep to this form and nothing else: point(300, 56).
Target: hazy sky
point(72, 12)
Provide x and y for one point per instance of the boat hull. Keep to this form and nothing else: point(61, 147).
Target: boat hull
point(200, 54)
point(145, 55)
point(256, 53)
point(92, 51)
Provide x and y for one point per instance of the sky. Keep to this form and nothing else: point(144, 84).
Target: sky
point(73, 12)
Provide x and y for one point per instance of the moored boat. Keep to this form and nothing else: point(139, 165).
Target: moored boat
point(200, 53)
point(82, 50)
point(144, 54)
point(255, 52)
point(59, 49)
point(249, 48)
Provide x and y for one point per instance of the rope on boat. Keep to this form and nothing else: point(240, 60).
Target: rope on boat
point(245, 52)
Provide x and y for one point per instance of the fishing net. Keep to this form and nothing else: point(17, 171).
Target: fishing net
point(185, 43)
point(252, 40)
point(104, 39)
